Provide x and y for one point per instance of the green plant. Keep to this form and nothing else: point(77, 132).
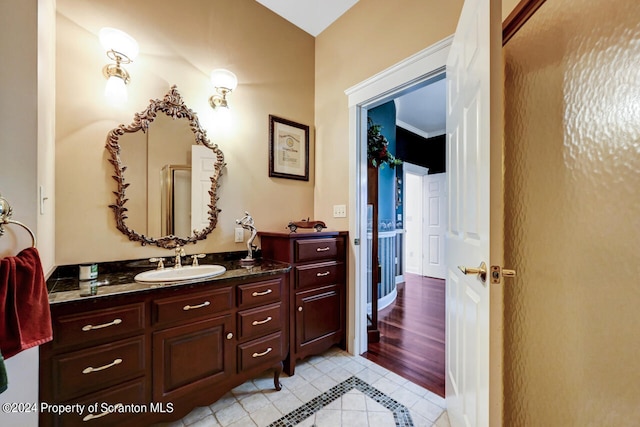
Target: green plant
point(377, 147)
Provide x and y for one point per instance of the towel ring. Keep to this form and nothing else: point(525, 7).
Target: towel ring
point(5, 218)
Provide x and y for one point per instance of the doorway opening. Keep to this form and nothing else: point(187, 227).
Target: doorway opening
point(407, 297)
point(417, 72)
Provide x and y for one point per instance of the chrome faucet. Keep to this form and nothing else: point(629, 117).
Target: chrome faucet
point(179, 254)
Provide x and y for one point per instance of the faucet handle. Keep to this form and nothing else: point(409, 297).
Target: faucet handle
point(160, 262)
point(195, 259)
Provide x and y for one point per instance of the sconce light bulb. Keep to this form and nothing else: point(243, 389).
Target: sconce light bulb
point(116, 90)
point(223, 80)
point(116, 40)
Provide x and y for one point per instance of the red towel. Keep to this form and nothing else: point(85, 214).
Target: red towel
point(25, 318)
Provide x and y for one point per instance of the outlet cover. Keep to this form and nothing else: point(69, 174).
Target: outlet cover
point(339, 211)
point(239, 235)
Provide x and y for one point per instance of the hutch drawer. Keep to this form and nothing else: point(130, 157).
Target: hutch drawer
point(259, 321)
point(259, 293)
point(316, 249)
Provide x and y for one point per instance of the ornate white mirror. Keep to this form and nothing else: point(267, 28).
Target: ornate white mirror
point(172, 175)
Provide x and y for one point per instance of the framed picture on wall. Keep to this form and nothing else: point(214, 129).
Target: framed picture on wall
point(288, 149)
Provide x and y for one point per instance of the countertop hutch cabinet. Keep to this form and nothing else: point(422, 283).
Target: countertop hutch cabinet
point(318, 289)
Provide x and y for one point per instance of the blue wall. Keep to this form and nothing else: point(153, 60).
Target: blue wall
point(385, 116)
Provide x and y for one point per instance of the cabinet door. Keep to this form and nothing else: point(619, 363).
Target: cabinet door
point(192, 356)
point(318, 319)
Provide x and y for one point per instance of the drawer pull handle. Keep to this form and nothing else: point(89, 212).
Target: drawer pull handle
point(261, 322)
point(91, 369)
point(322, 249)
point(300, 308)
point(193, 307)
point(229, 335)
point(264, 353)
point(102, 414)
point(87, 328)
point(259, 294)
point(326, 273)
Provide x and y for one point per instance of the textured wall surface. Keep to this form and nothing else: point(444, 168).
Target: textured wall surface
point(573, 216)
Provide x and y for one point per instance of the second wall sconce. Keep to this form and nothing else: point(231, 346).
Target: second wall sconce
point(224, 81)
point(123, 49)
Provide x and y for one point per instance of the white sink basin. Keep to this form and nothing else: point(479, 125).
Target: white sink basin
point(180, 274)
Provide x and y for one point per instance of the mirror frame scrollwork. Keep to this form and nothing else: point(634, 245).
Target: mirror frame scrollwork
point(173, 106)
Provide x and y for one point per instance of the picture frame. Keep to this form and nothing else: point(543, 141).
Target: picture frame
point(288, 149)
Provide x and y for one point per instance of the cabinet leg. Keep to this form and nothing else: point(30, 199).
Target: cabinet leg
point(289, 365)
point(277, 370)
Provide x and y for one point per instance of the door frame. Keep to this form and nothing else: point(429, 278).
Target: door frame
point(415, 71)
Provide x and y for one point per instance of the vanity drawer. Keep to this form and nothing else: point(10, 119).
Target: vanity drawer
point(192, 306)
point(259, 293)
point(264, 351)
point(259, 321)
point(317, 249)
point(88, 370)
point(97, 326)
point(133, 392)
point(326, 273)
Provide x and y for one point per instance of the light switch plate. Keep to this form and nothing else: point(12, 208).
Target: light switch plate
point(239, 234)
point(339, 211)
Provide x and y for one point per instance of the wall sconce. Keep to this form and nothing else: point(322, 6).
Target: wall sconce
point(224, 81)
point(122, 49)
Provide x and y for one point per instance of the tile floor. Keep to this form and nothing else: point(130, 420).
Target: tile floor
point(331, 390)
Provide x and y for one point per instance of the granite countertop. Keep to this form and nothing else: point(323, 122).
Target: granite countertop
point(117, 277)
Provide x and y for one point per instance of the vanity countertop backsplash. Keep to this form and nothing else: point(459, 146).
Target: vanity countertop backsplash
point(117, 277)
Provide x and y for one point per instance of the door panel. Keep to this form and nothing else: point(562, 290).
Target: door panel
point(474, 235)
point(413, 223)
point(203, 160)
point(435, 225)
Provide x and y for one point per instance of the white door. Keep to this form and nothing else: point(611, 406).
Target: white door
point(435, 225)
point(474, 235)
point(203, 160)
point(413, 216)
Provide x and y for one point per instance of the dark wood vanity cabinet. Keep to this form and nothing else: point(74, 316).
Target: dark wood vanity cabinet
point(318, 289)
point(190, 344)
point(163, 352)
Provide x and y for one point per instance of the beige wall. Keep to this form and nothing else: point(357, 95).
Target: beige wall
point(369, 38)
point(180, 43)
point(573, 216)
point(275, 64)
point(372, 36)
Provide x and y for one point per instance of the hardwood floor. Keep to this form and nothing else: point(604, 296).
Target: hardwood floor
point(412, 333)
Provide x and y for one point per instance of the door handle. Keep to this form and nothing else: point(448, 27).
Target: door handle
point(481, 271)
